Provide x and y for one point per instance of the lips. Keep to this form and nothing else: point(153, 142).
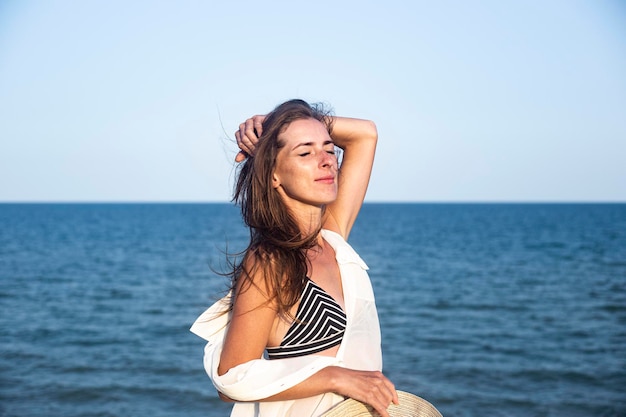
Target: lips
point(329, 179)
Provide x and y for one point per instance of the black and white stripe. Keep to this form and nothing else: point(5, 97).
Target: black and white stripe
point(320, 324)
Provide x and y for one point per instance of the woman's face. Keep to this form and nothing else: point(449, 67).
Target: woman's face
point(306, 166)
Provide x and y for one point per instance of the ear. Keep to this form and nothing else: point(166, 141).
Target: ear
point(275, 180)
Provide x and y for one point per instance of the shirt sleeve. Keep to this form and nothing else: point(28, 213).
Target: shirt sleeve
point(256, 379)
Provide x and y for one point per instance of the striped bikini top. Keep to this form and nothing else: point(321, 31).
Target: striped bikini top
point(319, 324)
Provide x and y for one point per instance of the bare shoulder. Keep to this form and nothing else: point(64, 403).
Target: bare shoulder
point(253, 285)
point(252, 318)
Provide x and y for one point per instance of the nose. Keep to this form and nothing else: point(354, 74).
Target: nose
point(327, 160)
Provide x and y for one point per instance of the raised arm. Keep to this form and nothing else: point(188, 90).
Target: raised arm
point(358, 140)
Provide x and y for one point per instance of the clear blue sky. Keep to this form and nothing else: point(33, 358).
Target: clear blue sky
point(474, 100)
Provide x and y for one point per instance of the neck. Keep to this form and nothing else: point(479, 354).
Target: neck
point(309, 218)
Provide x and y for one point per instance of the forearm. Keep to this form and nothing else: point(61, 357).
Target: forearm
point(371, 387)
point(348, 131)
point(319, 383)
point(315, 385)
point(358, 139)
point(325, 380)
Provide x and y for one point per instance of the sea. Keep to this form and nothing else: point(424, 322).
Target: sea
point(485, 309)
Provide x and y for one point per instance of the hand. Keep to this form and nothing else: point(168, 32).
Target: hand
point(248, 135)
point(370, 387)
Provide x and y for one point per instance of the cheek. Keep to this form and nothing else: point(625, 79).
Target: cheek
point(286, 172)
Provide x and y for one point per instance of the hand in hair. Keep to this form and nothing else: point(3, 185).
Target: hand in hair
point(248, 135)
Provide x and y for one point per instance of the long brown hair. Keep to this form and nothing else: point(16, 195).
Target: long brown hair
point(277, 248)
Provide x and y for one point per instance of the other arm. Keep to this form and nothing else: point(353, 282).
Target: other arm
point(358, 139)
point(248, 334)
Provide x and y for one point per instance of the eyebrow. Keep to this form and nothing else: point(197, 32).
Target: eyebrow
point(326, 142)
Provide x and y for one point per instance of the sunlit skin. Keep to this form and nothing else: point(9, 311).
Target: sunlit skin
point(307, 178)
point(306, 169)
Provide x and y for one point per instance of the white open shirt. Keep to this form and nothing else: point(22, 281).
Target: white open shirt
point(261, 378)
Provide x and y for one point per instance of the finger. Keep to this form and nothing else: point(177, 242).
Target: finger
point(248, 137)
point(392, 391)
point(381, 409)
point(258, 124)
point(249, 131)
point(242, 132)
point(243, 143)
point(385, 396)
point(241, 156)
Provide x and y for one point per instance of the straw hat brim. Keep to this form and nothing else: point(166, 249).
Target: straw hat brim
point(409, 406)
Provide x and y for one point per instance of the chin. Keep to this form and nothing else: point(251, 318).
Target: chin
point(329, 201)
point(322, 201)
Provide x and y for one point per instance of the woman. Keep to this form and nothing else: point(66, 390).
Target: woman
point(302, 330)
